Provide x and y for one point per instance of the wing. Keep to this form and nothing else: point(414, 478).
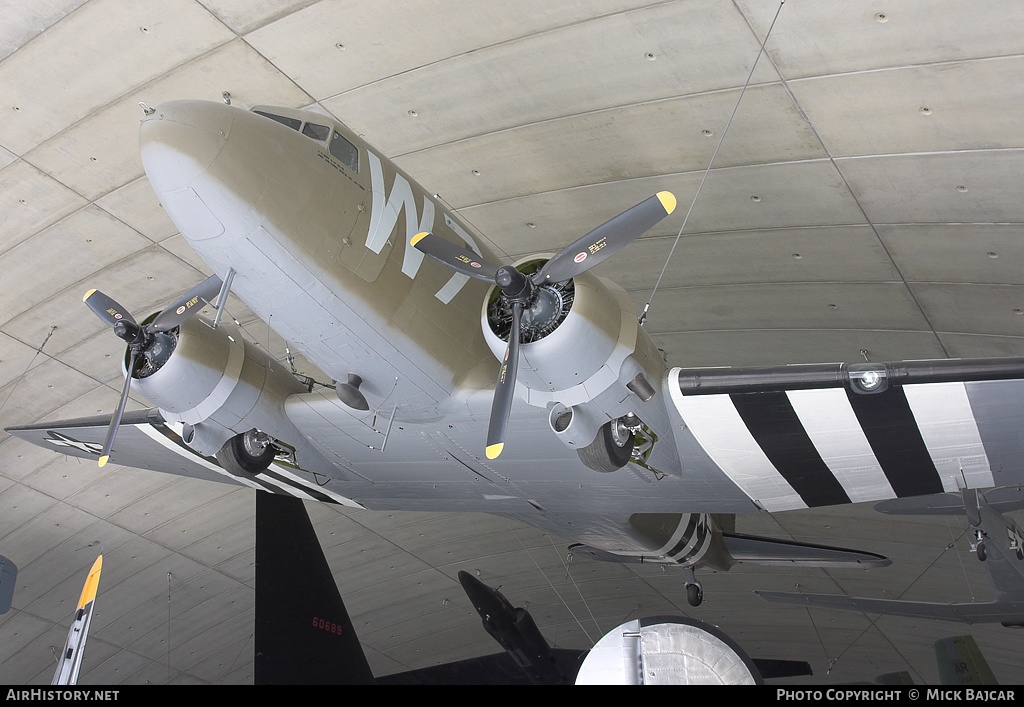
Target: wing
point(1005, 612)
point(769, 551)
point(146, 441)
point(819, 435)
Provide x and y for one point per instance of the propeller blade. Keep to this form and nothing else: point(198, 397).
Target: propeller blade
point(186, 305)
point(115, 421)
point(459, 259)
point(607, 239)
point(107, 309)
point(504, 391)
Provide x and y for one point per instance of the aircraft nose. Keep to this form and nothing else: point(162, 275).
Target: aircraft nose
point(181, 139)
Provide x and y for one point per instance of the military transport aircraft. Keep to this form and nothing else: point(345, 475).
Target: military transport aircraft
point(587, 432)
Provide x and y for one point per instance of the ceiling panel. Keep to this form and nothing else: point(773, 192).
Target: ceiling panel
point(659, 52)
point(961, 187)
point(660, 137)
point(832, 187)
point(81, 77)
point(814, 39)
point(326, 49)
point(931, 108)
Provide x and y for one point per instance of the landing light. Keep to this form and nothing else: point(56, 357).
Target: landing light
point(868, 378)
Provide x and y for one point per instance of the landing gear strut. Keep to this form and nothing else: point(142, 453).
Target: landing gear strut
point(694, 589)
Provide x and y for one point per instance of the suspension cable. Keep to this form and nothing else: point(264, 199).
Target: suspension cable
point(643, 315)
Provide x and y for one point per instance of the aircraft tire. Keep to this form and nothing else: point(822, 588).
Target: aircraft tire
point(606, 453)
point(694, 594)
point(238, 458)
point(981, 552)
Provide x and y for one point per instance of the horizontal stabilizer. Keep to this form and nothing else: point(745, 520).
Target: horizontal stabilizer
point(762, 551)
point(1003, 499)
point(769, 551)
point(1008, 613)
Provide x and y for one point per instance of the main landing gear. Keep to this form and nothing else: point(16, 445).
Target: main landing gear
point(611, 449)
point(247, 454)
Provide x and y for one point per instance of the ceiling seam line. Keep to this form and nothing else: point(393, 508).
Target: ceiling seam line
point(581, 114)
point(486, 47)
point(860, 206)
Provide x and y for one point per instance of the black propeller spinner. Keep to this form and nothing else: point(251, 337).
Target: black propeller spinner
point(519, 290)
point(150, 340)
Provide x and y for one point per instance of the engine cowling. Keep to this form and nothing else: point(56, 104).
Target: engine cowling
point(217, 385)
point(581, 346)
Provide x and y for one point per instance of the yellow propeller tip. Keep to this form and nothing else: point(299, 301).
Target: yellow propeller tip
point(103, 459)
point(494, 450)
point(418, 237)
point(88, 294)
point(668, 200)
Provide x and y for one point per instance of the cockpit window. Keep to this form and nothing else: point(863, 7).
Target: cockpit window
point(345, 152)
point(317, 132)
point(290, 122)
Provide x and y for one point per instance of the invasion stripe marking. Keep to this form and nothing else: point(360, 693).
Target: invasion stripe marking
point(679, 542)
point(946, 420)
point(717, 427)
point(891, 430)
point(776, 428)
point(829, 421)
point(283, 481)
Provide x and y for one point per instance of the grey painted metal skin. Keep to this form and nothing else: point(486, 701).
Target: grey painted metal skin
point(320, 252)
point(999, 543)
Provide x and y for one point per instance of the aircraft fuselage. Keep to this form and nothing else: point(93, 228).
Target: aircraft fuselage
point(316, 240)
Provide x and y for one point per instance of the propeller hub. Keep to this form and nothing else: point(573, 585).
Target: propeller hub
point(514, 285)
point(130, 332)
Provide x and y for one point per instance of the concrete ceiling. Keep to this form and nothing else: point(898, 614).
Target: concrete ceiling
point(865, 202)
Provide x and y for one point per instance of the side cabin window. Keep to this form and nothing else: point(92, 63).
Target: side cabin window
point(344, 151)
point(290, 122)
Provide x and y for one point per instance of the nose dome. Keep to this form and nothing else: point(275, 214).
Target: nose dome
point(181, 139)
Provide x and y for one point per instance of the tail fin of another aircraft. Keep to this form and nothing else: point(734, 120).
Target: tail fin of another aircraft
point(8, 574)
point(303, 632)
point(961, 662)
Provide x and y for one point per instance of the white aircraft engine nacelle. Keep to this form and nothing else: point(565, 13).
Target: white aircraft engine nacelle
point(581, 346)
point(218, 385)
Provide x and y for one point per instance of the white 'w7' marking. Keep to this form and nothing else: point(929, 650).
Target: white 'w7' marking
point(384, 212)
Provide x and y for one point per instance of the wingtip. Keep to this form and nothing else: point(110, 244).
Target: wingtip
point(494, 450)
point(668, 200)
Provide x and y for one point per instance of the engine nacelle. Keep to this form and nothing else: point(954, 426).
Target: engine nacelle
point(218, 385)
point(581, 348)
